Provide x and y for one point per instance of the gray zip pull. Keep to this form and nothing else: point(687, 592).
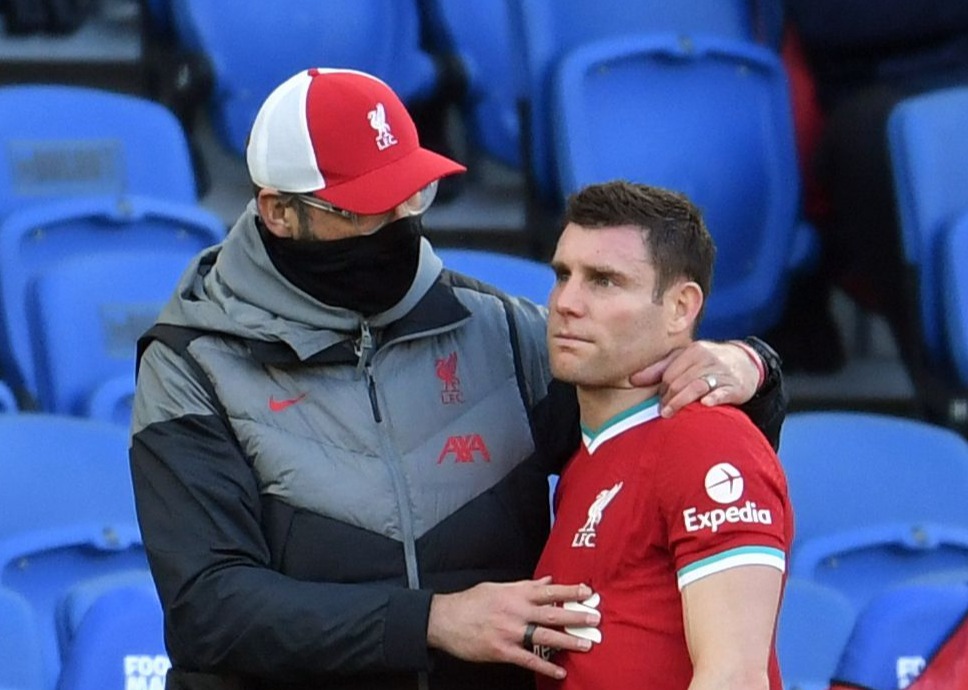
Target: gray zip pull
point(364, 347)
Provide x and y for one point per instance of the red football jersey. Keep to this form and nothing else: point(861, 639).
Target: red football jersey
point(645, 507)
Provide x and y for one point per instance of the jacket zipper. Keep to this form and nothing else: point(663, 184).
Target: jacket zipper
point(363, 351)
point(363, 348)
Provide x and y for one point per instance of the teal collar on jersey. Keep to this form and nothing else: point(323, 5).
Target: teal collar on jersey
point(645, 411)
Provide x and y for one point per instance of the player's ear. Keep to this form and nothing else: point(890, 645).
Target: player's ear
point(685, 300)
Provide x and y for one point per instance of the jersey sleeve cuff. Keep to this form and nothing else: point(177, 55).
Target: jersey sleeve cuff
point(744, 555)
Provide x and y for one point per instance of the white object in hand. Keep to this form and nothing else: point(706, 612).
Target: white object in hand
point(590, 605)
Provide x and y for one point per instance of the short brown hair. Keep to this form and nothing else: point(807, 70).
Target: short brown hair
point(674, 232)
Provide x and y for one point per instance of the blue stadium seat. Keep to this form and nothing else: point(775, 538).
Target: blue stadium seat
point(381, 37)
point(20, 660)
point(954, 291)
point(545, 31)
point(478, 35)
point(878, 499)
point(928, 145)
point(34, 240)
point(814, 624)
point(71, 141)
point(60, 471)
point(711, 118)
point(68, 513)
point(113, 634)
point(86, 314)
point(515, 275)
point(898, 633)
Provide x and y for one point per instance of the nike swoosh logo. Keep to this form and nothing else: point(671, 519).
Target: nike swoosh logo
point(280, 405)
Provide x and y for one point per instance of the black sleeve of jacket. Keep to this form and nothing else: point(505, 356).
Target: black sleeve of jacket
point(226, 610)
point(767, 409)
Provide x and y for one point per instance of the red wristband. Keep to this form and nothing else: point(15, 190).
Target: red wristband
point(754, 356)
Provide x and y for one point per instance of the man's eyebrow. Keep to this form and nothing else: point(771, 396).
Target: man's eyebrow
point(557, 265)
point(595, 270)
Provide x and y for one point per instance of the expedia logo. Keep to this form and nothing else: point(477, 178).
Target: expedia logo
point(724, 484)
point(712, 520)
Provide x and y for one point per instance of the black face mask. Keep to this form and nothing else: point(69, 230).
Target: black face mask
point(367, 273)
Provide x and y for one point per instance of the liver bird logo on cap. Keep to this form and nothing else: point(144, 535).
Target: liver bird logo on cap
point(378, 121)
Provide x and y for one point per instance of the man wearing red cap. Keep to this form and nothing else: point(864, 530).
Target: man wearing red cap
point(340, 450)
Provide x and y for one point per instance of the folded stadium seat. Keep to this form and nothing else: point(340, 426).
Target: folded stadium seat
point(814, 624)
point(68, 513)
point(381, 37)
point(708, 117)
point(545, 31)
point(515, 275)
point(902, 633)
point(113, 634)
point(20, 665)
point(954, 291)
point(85, 170)
point(878, 499)
point(85, 316)
point(928, 146)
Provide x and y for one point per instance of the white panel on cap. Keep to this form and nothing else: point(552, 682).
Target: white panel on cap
point(280, 152)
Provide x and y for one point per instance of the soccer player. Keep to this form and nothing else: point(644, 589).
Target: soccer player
point(680, 526)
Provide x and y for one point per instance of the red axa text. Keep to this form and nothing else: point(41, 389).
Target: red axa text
point(465, 449)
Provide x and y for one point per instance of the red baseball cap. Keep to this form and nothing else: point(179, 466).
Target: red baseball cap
point(345, 137)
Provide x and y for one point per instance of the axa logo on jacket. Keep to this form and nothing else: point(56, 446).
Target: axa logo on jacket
point(465, 449)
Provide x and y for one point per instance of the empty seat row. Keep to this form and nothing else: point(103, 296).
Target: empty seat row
point(112, 637)
point(68, 522)
point(878, 500)
point(878, 571)
point(907, 631)
point(503, 50)
point(99, 216)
